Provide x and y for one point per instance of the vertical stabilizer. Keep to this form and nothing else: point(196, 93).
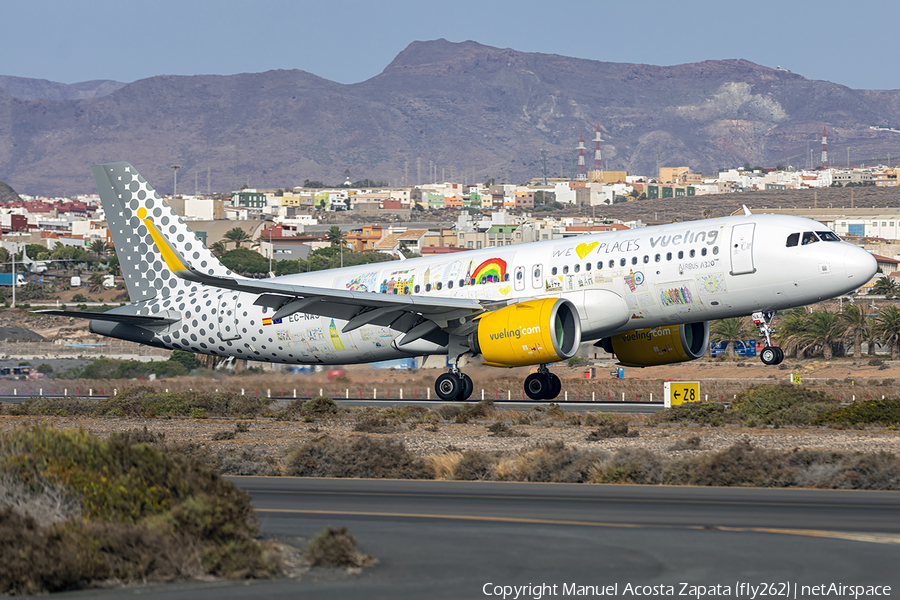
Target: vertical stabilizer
point(145, 230)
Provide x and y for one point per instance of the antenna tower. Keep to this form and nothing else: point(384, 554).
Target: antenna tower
point(582, 173)
point(598, 161)
point(824, 148)
point(544, 164)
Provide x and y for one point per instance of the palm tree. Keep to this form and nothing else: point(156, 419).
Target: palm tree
point(825, 330)
point(95, 283)
point(887, 324)
point(238, 236)
point(792, 330)
point(884, 286)
point(728, 331)
point(335, 236)
point(218, 249)
point(855, 318)
point(98, 247)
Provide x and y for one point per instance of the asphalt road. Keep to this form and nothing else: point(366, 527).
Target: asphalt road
point(448, 539)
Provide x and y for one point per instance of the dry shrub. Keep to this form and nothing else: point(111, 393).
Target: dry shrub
point(846, 470)
point(781, 405)
point(144, 513)
point(373, 423)
point(147, 402)
point(551, 461)
point(628, 465)
point(474, 466)
point(447, 412)
point(248, 461)
point(44, 501)
point(502, 430)
point(54, 407)
point(444, 464)
point(740, 465)
point(613, 429)
point(363, 456)
point(596, 419)
point(692, 442)
point(705, 413)
point(335, 547)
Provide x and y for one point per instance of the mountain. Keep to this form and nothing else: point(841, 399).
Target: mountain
point(7, 194)
point(42, 89)
point(463, 107)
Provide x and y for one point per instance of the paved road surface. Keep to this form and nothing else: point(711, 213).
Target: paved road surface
point(449, 539)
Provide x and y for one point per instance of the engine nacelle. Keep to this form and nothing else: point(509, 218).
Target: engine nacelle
point(528, 333)
point(659, 345)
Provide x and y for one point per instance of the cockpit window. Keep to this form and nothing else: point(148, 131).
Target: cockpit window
point(809, 238)
point(828, 236)
point(793, 240)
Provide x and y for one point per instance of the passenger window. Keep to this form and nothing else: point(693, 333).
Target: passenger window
point(449, 285)
point(612, 263)
point(656, 258)
point(506, 277)
point(693, 253)
point(472, 281)
point(553, 271)
point(417, 288)
point(439, 285)
point(427, 287)
point(793, 240)
point(622, 263)
point(577, 268)
point(646, 259)
point(537, 275)
point(587, 267)
point(680, 254)
point(462, 282)
point(703, 252)
point(519, 276)
point(634, 260)
point(715, 249)
point(565, 269)
point(668, 256)
point(809, 238)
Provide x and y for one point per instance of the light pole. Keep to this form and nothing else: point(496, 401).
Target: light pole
point(175, 187)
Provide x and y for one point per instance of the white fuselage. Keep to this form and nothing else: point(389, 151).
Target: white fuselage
point(619, 281)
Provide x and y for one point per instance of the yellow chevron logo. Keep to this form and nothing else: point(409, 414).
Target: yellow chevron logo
point(162, 245)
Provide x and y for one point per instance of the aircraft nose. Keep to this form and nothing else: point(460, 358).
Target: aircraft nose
point(859, 265)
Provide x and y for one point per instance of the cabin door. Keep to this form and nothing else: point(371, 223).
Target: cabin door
point(227, 317)
point(742, 249)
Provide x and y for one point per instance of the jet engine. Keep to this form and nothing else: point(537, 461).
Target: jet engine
point(659, 345)
point(528, 333)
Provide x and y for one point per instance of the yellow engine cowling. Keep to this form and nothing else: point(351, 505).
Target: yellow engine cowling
point(659, 345)
point(528, 333)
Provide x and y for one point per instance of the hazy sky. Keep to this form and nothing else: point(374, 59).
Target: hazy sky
point(850, 43)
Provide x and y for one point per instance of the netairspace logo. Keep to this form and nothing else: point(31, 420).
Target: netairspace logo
point(515, 333)
point(747, 590)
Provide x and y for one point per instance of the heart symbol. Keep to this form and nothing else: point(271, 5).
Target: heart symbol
point(505, 290)
point(582, 250)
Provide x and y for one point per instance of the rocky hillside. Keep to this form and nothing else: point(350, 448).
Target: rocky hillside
point(7, 194)
point(467, 108)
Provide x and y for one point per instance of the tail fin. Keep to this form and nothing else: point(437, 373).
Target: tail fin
point(145, 230)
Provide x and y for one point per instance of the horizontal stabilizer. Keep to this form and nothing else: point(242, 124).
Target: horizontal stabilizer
point(112, 317)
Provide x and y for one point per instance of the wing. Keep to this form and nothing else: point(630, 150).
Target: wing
point(419, 316)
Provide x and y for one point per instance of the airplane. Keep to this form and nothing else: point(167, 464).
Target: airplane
point(34, 266)
point(647, 295)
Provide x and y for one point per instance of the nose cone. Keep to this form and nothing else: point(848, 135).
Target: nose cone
point(860, 266)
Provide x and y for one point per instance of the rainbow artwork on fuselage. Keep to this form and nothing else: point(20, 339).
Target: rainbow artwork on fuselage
point(492, 270)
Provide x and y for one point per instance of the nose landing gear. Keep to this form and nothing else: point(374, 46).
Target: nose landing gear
point(542, 385)
point(770, 355)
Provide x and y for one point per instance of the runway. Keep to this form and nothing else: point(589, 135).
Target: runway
point(438, 539)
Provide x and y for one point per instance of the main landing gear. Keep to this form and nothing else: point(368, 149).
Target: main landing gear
point(770, 355)
point(454, 386)
point(542, 385)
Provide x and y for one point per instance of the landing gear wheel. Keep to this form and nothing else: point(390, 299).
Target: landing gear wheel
point(448, 386)
point(771, 355)
point(537, 386)
point(555, 387)
point(467, 386)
